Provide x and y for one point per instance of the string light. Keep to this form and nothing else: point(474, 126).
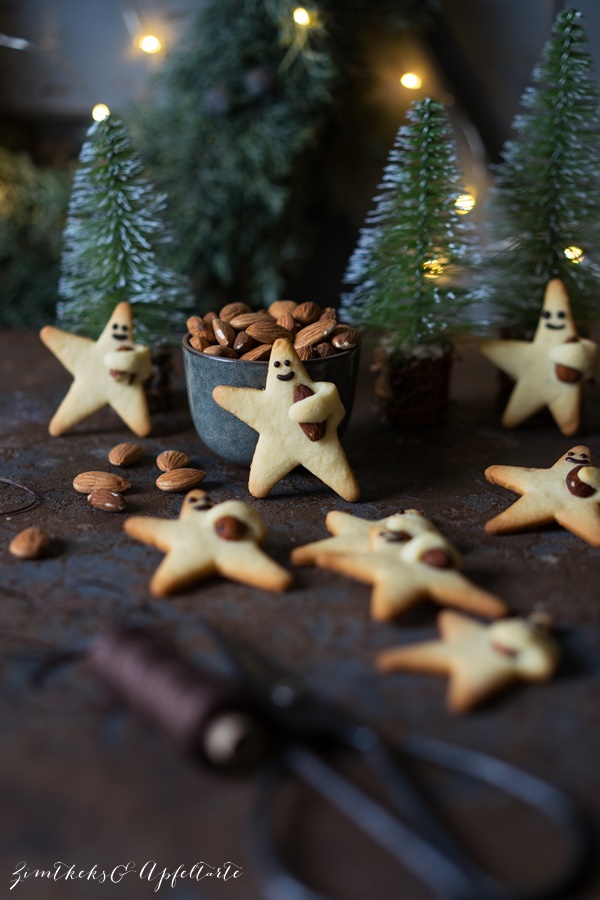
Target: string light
point(302, 16)
point(574, 254)
point(100, 112)
point(464, 204)
point(433, 268)
point(149, 43)
point(411, 81)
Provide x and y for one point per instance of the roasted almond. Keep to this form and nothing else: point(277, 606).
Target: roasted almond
point(307, 313)
point(180, 480)
point(241, 322)
point(195, 324)
point(231, 529)
point(209, 316)
point(172, 459)
point(344, 337)
point(243, 342)
point(87, 482)
point(314, 431)
point(281, 307)
point(32, 543)
point(314, 333)
point(325, 349)
point(201, 341)
point(218, 350)
point(329, 313)
point(288, 322)
point(306, 352)
point(108, 501)
point(232, 310)
point(125, 454)
point(258, 354)
point(224, 333)
point(267, 332)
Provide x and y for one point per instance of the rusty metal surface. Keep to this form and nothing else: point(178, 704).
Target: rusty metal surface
point(83, 783)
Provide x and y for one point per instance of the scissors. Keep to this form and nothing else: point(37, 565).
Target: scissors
point(264, 718)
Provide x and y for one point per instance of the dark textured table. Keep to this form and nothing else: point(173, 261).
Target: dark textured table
point(86, 784)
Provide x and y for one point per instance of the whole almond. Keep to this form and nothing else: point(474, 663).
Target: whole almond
point(195, 324)
point(224, 333)
point(229, 312)
point(306, 352)
point(125, 454)
point(241, 322)
point(180, 480)
point(344, 337)
point(218, 350)
point(325, 349)
point(314, 333)
point(87, 482)
point(328, 313)
point(231, 529)
point(201, 341)
point(243, 342)
point(267, 332)
point(288, 322)
point(281, 307)
point(32, 543)
point(209, 316)
point(108, 501)
point(314, 431)
point(172, 459)
point(258, 354)
point(307, 313)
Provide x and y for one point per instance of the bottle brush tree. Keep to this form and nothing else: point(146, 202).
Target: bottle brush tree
point(544, 211)
point(410, 265)
point(115, 244)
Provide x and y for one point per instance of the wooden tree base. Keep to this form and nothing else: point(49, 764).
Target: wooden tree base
point(412, 391)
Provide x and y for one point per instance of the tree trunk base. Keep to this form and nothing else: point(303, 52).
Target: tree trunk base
point(412, 391)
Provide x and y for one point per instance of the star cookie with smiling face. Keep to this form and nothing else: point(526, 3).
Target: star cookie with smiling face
point(297, 421)
point(208, 540)
point(480, 660)
point(405, 558)
point(568, 493)
point(108, 372)
point(550, 369)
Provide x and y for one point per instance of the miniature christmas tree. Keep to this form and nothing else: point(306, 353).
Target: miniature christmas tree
point(115, 243)
point(545, 208)
point(410, 262)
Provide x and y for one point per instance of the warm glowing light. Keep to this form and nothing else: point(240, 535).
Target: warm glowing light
point(301, 16)
point(433, 268)
point(100, 111)
point(149, 43)
point(574, 254)
point(464, 204)
point(411, 81)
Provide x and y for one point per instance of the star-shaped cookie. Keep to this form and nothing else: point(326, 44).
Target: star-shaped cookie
point(404, 557)
point(108, 372)
point(550, 369)
point(297, 421)
point(480, 659)
point(207, 540)
point(568, 493)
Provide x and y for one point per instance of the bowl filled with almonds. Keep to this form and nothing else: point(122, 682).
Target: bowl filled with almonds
point(232, 347)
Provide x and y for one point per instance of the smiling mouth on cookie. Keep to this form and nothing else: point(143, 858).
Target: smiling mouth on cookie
point(582, 461)
point(287, 377)
point(555, 327)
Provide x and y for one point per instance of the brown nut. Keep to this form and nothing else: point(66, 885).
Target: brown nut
point(305, 353)
point(243, 342)
point(329, 313)
point(567, 374)
point(314, 333)
point(201, 341)
point(108, 501)
point(180, 480)
point(576, 486)
point(314, 431)
point(307, 313)
point(282, 307)
point(208, 318)
point(32, 543)
point(172, 459)
point(218, 350)
point(437, 559)
point(241, 322)
point(231, 529)
point(224, 333)
point(258, 354)
point(288, 323)
point(231, 310)
point(87, 482)
point(124, 454)
point(195, 324)
point(344, 337)
point(325, 349)
point(267, 332)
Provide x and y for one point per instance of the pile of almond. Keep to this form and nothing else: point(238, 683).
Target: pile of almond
point(238, 333)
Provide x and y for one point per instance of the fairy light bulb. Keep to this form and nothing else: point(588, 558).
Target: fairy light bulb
point(100, 112)
point(301, 16)
point(574, 254)
point(411, 80)
point(464, 204)
point(149, 43)
point(433, 268)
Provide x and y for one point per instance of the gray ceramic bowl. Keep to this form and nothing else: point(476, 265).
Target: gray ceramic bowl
point(222, 432)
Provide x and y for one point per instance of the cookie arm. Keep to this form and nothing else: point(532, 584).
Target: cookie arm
point(307, 554)
point(136, 361)
point(510, 356)
point(69, 349)
point(156, 532)
point(455, 589)
point(247, 564)
point(317, 408)
point(244, 403)
point(513, 478)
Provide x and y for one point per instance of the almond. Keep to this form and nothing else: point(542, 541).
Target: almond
point(241, 322)
point(281, 307)
point(232, 310)
point(267, 332)
point(344, 337)
point(329, 313)
point(224, 333)
point(314, 333)
point(195, 324)
point(243, 342)
point(307, 352)
point(567, 374)
point(87, 482)
point(314, 431)
point(32, 543)
point(218, 350)
point(307, 313)
point(180, 480)
point(201, 341)
point(288, 322)
point(231, 529)
point(125, 454)
point(172, 459)
point(209, 316)
point(108, 501)
point(324, 350)
point(258, 354)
